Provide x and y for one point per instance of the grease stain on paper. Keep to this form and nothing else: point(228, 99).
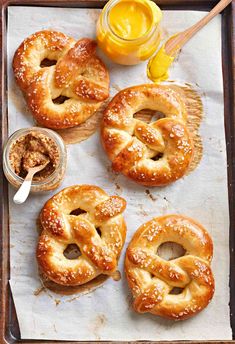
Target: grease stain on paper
point(150, 195)
point(99, 322)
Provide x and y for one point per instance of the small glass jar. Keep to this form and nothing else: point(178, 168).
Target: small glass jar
point(129, 51)
point(50, 182)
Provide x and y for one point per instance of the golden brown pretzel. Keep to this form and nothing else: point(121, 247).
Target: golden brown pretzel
point(78, 75)
point(151, 278)
point(151, 154)
point(99, 252)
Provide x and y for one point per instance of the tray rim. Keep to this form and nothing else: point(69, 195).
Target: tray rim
point(228, 52)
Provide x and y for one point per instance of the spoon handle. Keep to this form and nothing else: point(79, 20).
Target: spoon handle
point(23, 192)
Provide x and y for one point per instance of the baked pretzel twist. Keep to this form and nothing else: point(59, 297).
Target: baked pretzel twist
point(99, 252)
point(79, 77)
point(152, 279)
point(151, 154)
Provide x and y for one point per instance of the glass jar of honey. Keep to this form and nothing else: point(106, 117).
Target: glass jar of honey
point(128, 31)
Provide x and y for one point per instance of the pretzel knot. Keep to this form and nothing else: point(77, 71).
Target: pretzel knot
point(99, 231)
point(153, 279)
point(70, 91)
point(151, 154)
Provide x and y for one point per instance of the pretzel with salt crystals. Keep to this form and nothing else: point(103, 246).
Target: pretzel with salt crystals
point(99, 252)
point(151, 154)
point(78, 75)
point(152, 278)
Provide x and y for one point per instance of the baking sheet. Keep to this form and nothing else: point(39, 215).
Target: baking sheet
point(105, 314)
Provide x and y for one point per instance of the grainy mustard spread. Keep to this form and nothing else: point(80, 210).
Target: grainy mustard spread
point(34, 149)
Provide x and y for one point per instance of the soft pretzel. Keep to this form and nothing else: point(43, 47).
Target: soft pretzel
point(151, 278)
point(99, 252)
point(151, 154)
point(78, 75)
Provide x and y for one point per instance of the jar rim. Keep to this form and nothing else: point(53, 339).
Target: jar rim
point(146, 35)
point(24, 131)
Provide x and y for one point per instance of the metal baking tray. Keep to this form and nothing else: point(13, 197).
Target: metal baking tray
point(9, 327)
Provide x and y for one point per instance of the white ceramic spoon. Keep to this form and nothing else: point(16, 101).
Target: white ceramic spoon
point(24, 190)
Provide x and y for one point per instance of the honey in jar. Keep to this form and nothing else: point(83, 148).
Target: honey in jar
point(128, 31)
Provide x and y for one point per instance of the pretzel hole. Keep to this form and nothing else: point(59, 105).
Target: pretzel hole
point(176, 291)
point(98, 231)
point(148, 116)
point(157, 157)
point(77, 212)
point(72, 251)
point(170, 250)
point(60, 100)
point(158, 115)
point(47, 63)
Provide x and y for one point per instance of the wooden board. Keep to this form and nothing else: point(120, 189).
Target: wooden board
point(9, 328)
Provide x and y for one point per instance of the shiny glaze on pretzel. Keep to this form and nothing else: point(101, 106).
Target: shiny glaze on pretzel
point(151, 154)
point(99, 232)
point(78, 77)
point(152, 278)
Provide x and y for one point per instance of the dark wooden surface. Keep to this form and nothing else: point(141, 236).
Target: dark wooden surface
point(9, 329)
point(228, 51)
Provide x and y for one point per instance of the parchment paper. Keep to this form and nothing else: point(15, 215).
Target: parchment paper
point(106, 313)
